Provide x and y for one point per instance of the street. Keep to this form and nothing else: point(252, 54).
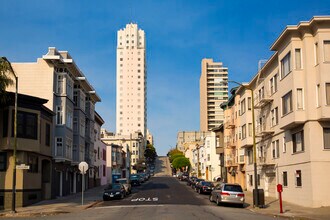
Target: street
point(162, 197)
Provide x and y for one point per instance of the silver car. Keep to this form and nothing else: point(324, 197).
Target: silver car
point(228, 193)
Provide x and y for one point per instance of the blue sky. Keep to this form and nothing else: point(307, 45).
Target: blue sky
point(179, 34)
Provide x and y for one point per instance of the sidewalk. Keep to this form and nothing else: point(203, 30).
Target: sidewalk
point(272, 207)
point(67, 204)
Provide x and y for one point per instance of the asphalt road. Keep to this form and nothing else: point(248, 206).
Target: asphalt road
point(164, 197)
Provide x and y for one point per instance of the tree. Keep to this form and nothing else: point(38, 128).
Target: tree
point(174, 156)
point(174, 151)
point(181, 163)
point(140, 166)
point(150, 153)
point(5, 81)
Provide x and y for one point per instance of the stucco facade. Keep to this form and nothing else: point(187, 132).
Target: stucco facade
point(131, 74)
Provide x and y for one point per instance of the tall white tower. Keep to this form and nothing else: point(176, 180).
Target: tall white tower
point(131, 97)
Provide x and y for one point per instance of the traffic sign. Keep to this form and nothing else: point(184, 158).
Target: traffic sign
point(22, 167)
point(83, 167)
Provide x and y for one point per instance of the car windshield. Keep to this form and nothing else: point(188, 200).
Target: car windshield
point(233, 188)
point(121, 181)
point(114, 186)
point(207, 183)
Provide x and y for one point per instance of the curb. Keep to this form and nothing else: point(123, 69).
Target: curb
point(92, 204)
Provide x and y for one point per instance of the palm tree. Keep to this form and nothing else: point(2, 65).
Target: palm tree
point(5, 81)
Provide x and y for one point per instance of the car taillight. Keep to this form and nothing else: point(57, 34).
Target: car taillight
point(224, 194)
point(240, 194)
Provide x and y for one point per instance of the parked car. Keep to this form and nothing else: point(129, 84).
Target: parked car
point(135, 180)
point(184, 176)
point(204, 187)
point(190, 180)
point(196, 181)
point(114, 191)
point(228, 193)
point(126, 183)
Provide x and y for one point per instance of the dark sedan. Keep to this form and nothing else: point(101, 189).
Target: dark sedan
point(114, 191)
point(205, 187)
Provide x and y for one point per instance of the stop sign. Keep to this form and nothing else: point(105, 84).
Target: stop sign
point(83, 167)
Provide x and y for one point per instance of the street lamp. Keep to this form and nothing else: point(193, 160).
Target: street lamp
point(255, 194)
point(15, 137)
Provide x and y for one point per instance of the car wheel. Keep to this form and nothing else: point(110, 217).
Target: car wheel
point(210, 198)
point(218, 202)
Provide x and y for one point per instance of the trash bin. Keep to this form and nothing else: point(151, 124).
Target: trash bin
point(261, 198)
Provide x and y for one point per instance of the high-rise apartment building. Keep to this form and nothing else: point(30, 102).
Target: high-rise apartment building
point(213, 92)
point(131, 100)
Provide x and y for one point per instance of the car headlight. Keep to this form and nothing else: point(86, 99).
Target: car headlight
point(106, 194)
point(117, 193)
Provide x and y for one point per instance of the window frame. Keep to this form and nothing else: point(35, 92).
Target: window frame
point(284, 71)
point(294, 142)
point(288, 108)
point(324, 139)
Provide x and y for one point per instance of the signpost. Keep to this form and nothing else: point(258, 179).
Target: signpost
point(83, 167)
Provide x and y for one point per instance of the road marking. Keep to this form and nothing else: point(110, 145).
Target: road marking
point(127, 206)
point(155, 199)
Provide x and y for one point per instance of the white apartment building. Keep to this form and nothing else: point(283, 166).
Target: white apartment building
point(132, 145)
point(131, 73)
point(213, 92)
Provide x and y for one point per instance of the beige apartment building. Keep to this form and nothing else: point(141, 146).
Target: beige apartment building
point(213, 92)
point(292, 115)
point(184, 138)
point(131, 97)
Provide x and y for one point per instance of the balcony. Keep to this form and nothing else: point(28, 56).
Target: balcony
point(262, 99)
point(263, 130)
point(229, 124)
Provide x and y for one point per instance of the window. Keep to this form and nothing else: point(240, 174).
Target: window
point(242, 106)
point(298, 58)
point(249, 103)
point(47, 135)
point(59, 146)
point(298, 178)
point(273, 84)
point(3, 161)
point(82, 127)
point(327, 93)
point(326, 138)
point(285, 178)
point(316, 51)
point(27, 125)
point(285, 65)
point(208, 157)
point(318, 96)
point(274, 119)
point(104, 156)
point(69, 90)
point(300, 99)
point(251, 180)
point(104, 167)
point(261, 151)
point(69, 115)
point(33, 162)
point(275, 149)
point(59, 115)
point(284, 145)
point(250, 156)
point(250, 129)
point(326, 45)
point(287, 103)
point(59, 84)
point(75, 98)
point(243, 131)
point(258, 179)
point(68, 149)
point(298, 141)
